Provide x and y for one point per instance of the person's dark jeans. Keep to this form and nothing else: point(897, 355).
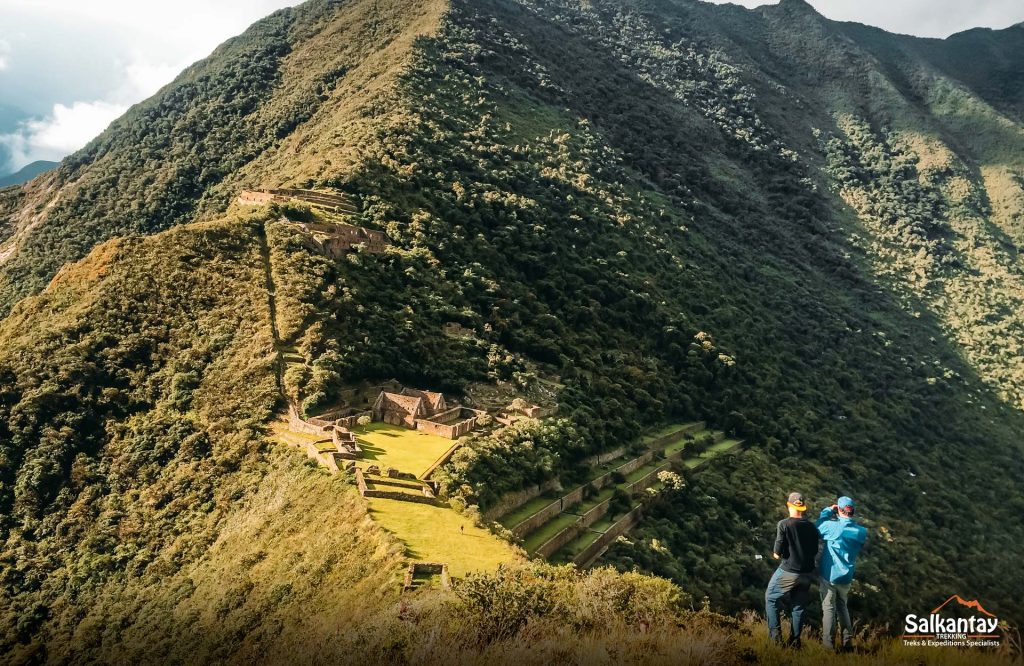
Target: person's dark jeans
point(783, 588)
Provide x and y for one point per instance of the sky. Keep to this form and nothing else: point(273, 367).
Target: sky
point(70, 67)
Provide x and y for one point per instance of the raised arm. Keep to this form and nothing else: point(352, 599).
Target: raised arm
point(827, 527)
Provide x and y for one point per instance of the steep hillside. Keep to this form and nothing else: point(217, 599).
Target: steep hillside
point(141, 507)
point(804, 233)
point(307, 76)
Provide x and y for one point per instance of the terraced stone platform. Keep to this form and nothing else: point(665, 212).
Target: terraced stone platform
point(566, 525)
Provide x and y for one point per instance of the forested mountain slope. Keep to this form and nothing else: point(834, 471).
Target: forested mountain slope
point(806, 233)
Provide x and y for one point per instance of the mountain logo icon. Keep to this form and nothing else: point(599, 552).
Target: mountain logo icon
point(974, 604)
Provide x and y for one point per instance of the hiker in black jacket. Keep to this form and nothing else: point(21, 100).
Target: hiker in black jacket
point(796, 545)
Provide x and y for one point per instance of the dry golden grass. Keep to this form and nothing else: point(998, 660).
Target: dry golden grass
point(432, 534)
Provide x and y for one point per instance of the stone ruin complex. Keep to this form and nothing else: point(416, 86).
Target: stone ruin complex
point(425, 411)
point(333, 239)
point(335, 201)
point(336, 240)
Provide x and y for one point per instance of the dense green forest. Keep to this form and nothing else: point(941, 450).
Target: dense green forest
point(805, 233)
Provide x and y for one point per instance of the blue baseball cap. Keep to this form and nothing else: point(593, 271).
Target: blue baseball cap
point(845, 502)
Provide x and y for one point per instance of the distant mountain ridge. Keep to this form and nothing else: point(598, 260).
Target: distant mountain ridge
point(28, 172)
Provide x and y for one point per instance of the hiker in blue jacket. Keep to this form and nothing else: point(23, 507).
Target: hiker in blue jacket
point(843, 540)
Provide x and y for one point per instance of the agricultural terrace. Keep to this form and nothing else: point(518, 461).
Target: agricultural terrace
point(403, 449)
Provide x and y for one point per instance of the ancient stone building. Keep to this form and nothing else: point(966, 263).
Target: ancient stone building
point(340, 238)
point(334, 239)
point(434, 401)
point(398, 409)
point(426, 411)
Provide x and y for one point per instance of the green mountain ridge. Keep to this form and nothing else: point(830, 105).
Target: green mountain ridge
point(802, 232)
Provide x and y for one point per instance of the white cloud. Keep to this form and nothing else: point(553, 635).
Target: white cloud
point(63, 131)
point(68, 127)
point(82, 64)
point(143, 79)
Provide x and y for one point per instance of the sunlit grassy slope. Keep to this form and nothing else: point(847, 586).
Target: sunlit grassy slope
point(433, 534)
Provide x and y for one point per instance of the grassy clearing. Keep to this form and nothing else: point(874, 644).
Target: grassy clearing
point(405, 450)
point(431, 534)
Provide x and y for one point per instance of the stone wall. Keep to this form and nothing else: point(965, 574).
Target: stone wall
point(398, 419)
point(647, 481)
point(448, 431)
point(635, 464)
point(429, 569)
point(396, 483)
point(602, 458)
point(401, 497)
point(572, 499)
point(512, 501)
point(255, 198)
point(298, 424)
point(360, 482)
point(626, 523)
point(442, 460)
point(447, 416)
point(366, 491)
point(596, 514)
point(332, 460)
point(667, 439)
point(618, 528)
point(321, 422)
point(336, 200)
point(552, 545)
point(537, 519)
point(352, 421)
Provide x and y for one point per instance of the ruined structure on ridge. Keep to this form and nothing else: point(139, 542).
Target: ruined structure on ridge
point(338, 239)
point(334, 201)
point(334, 240)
